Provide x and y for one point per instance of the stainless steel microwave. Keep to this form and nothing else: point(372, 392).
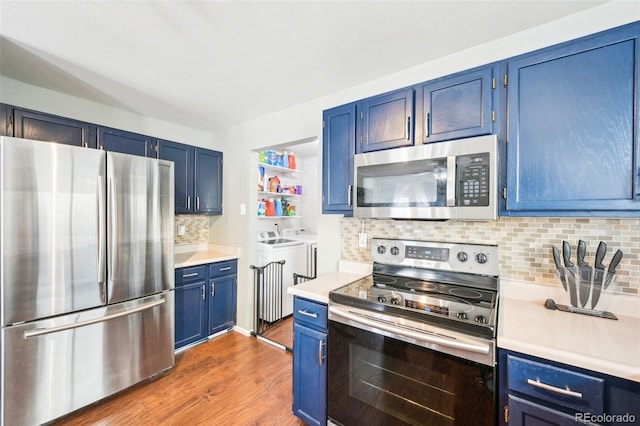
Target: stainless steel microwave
point(446, 180)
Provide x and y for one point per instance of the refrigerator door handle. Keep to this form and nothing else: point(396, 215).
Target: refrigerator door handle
point(41, 331)
point(102, 253)
point(112, 247)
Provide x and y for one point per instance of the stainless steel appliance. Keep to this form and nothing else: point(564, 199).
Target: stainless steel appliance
point(86, 276)
point(414, 343)
point(445, 180)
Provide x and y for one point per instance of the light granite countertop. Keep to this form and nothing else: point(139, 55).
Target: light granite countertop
point(598, 344)
point(199, 254)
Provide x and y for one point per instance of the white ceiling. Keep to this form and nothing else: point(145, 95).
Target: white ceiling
point(211, 64)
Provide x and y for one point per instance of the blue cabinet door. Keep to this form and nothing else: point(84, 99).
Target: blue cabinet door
point(309, 375)
point(386, 121)
point(182, 157)
point(126, 142)
point(6, 129)
point(338, 149)
point(456, 106)
point(190, 313)
point(572, 145)
point(50, 128)
point(208, 181)
point(527, 413)
point(222, 303)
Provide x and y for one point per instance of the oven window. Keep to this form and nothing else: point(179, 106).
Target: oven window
point(377, 380)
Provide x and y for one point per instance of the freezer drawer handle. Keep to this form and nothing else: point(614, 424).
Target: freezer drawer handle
point(40, 331)
point(568, 392)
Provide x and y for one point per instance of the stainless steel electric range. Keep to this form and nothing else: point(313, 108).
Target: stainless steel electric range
point(414, 343)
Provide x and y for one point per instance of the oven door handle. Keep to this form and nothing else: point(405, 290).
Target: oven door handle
point(421, 337)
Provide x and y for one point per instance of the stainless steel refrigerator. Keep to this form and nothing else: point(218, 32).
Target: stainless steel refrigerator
point(87, 276)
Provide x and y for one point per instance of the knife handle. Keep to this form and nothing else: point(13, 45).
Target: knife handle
point(556, 257)
point(600, 253)
point(615, 260)
point(566, 254)
point(582, 251)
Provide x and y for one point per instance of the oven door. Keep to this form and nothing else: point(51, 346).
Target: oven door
point(376, 379)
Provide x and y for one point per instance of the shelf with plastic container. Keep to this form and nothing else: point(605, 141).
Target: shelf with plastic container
point(278, 185)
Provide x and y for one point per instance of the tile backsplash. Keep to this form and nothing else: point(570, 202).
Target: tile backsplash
point(525, 243)
point(196, 229)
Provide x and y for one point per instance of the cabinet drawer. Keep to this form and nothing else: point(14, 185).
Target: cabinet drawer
point(188, 275)
point(310, 313)
point(220, 269)
point(563, 387)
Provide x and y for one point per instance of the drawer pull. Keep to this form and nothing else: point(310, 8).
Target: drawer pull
point(228, 268)
point(307, 313)
point(568, 392)
point(194, 274)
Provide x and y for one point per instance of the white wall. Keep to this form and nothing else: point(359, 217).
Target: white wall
point(304, 121)
point(23, 95)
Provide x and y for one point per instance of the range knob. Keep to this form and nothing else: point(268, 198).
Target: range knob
point(382, 250)
point(382, 299)
point(481, 258)
point(462, 256)
point(395, 301)
point(481, 319)
point(395, 251)
point(461, 315)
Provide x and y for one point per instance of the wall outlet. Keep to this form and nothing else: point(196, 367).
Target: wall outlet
point(181, 230)
point(362, 240)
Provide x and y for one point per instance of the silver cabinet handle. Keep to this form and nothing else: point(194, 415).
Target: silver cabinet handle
point(307, 313)
point(193, 274)
point(213, 289)
point(188, 202)
point(349, 195)
point(567, 392)
point(203, 295)
point(426, 125)
point(197, 202)
point(409, 128)
point(320, 352)
point(228, 268)
point(40, 331)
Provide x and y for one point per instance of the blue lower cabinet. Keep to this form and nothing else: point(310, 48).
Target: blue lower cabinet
point(535, 391)
point(310, 361)
point(206, 299)
point(190, 319)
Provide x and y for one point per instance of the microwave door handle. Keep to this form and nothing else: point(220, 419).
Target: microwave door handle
point(451, 181)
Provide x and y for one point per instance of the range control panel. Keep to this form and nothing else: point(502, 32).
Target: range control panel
point(458, 257)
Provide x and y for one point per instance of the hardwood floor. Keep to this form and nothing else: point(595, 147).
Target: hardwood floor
point(229, 380)
point(282, 333)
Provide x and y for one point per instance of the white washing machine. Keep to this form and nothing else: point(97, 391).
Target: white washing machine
point(311, 242)
point(272, 247)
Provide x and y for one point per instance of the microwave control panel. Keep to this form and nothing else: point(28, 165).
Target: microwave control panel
point(473, 180)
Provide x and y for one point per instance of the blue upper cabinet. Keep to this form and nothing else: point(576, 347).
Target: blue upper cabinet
point(207, 186)
point(572, 140)
point(182, 157)
point(198, 177)
point(456, 106)
point(126, 142)
point(50, 128)
point(338, 149)
point(386, 121)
